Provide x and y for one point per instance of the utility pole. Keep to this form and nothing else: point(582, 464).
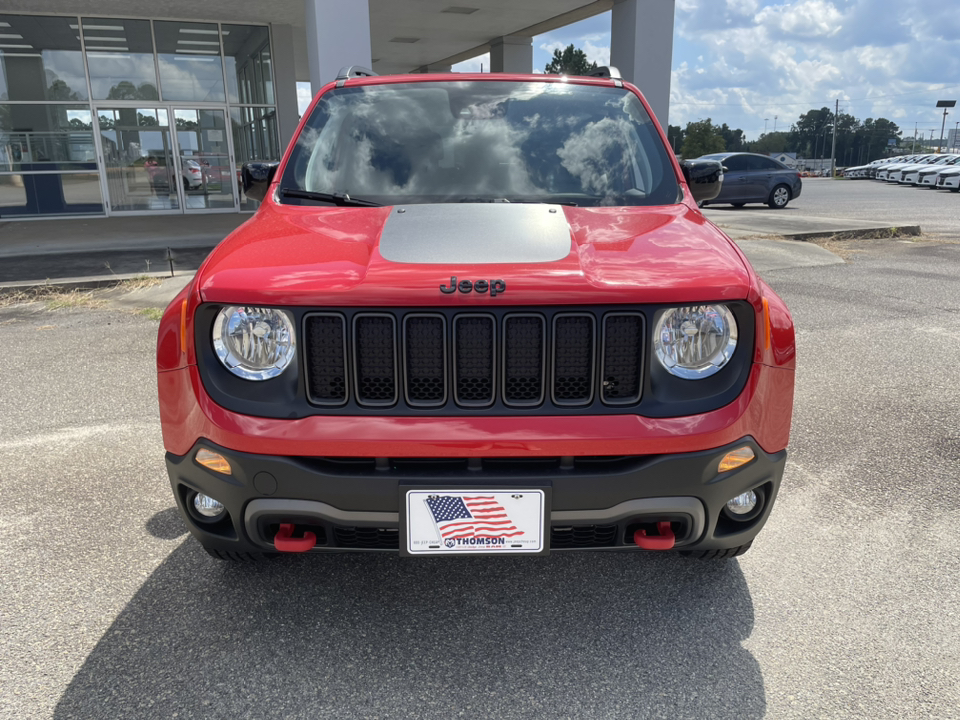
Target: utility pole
point(943, 104)
point(833, 147)
point(914, 148)
point(774, 123)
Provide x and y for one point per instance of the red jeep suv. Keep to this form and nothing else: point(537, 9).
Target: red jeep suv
point(476, 314)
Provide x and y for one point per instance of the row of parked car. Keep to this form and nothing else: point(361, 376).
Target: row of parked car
point(925, 170)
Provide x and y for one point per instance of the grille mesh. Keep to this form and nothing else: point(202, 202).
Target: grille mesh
point(425, 360)
point(583, 536)
point(327, 376)
point(474, 358)
point(573, 359)
point(357, 357)
point(523, 360)
point(366, 537)
point(376, 381)
point(622, 357)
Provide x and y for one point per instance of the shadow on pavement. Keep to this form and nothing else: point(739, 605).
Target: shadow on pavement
point(582, 635)
point(167, 524)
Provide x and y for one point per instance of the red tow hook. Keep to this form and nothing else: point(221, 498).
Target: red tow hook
point(285, 542)
point(663, 541)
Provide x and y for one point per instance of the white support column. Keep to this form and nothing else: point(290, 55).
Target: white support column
point(641, 47)
point(511, 54)
point(285, 82)
point(338, 34)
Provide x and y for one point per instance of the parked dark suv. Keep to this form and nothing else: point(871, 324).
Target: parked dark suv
point(751, 178)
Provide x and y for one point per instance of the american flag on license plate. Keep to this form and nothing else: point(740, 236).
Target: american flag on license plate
point(479, 516)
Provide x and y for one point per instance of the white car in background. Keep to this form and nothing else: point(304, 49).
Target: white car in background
point(949, 179)
point(910, 174)
point(858, 172)
point(927, 177)
point(886, 171)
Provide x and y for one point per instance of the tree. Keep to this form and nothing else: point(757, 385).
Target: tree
point(774, 142)
point(701, 138)
point(733, 140)
point(572, 61)
point(59, 90)
point(675, 135)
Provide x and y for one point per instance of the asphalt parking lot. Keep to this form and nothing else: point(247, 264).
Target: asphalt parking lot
point(935, 211)
point(848, 605)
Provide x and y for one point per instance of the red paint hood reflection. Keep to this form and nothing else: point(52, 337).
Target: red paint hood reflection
point(289, 255)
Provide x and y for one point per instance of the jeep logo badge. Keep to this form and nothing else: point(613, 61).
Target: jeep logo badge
point(481, 286)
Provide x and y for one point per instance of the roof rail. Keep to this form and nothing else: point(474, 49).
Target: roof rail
point(605, 71)
point(352, 71)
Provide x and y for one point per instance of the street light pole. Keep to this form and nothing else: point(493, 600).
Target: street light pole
point(943, 104)
point(833, 147)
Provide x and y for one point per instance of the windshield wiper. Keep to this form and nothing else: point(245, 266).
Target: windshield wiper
point(569, 203)
point(341, 199)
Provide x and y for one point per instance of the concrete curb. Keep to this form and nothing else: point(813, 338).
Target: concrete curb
point(89, 282)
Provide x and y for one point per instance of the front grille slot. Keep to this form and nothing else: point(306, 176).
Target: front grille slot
point(438, 360)
point(366, 538)
point(376, 359)
point(326, 340)
point(573, 359)
point(474, 372)
point(582, 536)
point(425, 360)
point(622, 362)
point(523, 360)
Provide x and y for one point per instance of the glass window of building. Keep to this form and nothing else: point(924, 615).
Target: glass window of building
point(48, 160)
point(140, 166)
point(40, 59)
point(190, 62)
point(246, 50)
point(254, 138)
point(120, 59)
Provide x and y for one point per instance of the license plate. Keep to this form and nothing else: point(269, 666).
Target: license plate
point(474, 522)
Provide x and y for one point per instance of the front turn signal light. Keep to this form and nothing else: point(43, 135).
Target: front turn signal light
point(736, 458)
point(213, 461)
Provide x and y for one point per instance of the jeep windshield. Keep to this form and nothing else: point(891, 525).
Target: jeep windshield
point(479, 141)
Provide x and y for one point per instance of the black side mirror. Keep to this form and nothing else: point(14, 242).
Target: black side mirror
point(704, 177)
point(257, 177)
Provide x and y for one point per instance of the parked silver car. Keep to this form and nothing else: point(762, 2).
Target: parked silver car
point(752, 178)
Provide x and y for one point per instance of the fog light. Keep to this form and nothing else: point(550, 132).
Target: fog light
point(207, 506)
point(735, 458)
point(742, 504)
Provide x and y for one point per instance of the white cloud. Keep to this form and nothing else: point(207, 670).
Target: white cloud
point(304, 96)
point(761, 58)
point(473, 65)
point(600, 54)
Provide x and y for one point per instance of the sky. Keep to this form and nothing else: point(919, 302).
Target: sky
point(759, 64)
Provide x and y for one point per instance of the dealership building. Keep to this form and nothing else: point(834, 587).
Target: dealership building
point(130, 107)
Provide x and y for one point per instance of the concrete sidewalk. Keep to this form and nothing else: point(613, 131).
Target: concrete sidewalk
point(32, 252)
point(789, 223)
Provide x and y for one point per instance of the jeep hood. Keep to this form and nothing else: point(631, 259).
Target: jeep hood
point(545, 254)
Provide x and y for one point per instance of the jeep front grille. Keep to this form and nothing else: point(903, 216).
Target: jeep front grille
point(510, 358)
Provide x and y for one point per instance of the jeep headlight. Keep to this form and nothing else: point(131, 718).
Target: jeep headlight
point(254, 343)
point(696, 341)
